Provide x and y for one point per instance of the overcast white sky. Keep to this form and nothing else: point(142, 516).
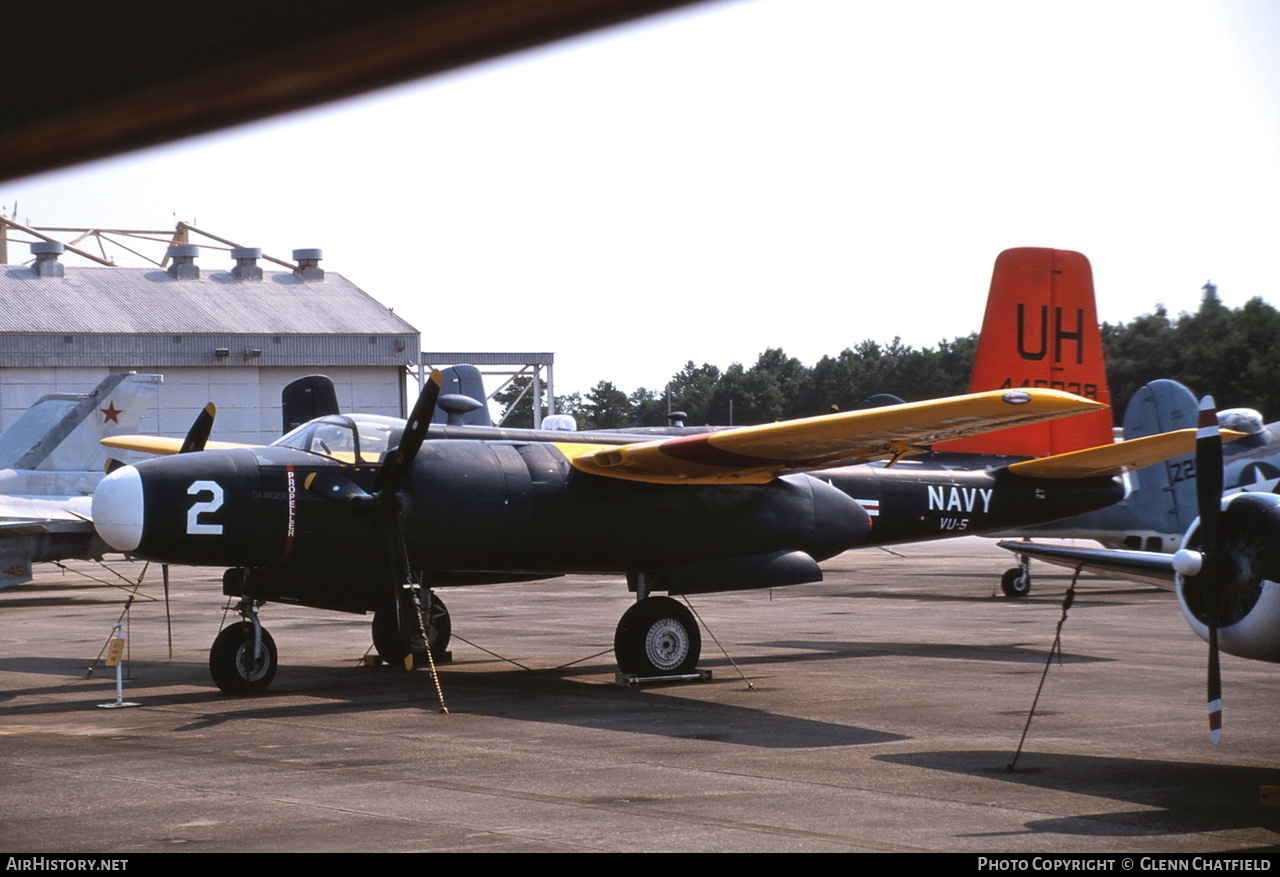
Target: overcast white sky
point(800, 174)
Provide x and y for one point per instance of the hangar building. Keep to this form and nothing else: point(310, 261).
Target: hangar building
point(233, 335)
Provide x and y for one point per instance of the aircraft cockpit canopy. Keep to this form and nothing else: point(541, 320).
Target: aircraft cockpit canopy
point(1246, 420)
point(560, 422)
point(359, 438)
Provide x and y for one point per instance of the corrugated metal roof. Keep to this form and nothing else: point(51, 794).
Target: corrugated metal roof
point(150, 301)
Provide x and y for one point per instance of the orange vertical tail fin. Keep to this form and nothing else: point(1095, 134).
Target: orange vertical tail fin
point(1041, 330)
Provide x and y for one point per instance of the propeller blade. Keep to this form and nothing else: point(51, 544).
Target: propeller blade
point(1208, 472)
point(1209, 499)
point(1214, 701)
point(395, 469)
point(168, 614)
point(198, 435)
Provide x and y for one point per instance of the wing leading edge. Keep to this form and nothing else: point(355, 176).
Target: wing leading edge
point(757, 454)
point(163, 445)
point(1146, 567)
point(1116, 458)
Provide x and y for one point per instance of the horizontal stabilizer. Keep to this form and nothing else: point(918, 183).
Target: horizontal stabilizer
point(1146, 567)
point(1115, 458)
point(757, 454)
point(14, 570)
point(25, 542)
point(10, 529)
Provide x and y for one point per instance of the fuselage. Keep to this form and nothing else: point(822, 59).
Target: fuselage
point(483, 511)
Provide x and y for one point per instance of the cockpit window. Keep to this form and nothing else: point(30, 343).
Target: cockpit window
point(361, 438)
point(378, 437)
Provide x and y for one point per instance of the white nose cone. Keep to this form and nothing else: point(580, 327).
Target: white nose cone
point(117, 509)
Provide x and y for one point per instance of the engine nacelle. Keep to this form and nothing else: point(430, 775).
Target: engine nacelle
point(1247, 582)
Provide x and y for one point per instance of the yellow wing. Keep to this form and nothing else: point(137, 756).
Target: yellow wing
point(756, 454)
point(1118, 458)
point(157, 444)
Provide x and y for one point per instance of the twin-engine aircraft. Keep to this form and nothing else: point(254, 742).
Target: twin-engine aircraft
point(362, 513)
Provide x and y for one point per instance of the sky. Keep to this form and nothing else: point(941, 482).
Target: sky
point(745, 174)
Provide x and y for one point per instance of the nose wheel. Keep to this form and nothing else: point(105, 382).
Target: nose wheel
point(243, 658)
point(657, 636)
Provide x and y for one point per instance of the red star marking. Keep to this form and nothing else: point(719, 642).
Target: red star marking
point(112, 413)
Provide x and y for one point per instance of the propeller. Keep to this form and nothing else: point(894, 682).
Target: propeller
point(384, 503)
point(1210, 560)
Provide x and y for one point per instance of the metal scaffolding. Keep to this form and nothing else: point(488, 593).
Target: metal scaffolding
point(106, 238)
point(511, 366)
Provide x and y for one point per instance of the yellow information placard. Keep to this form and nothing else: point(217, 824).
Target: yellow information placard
point(115, 652)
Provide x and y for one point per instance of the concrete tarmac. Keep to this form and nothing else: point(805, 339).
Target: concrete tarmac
point(882, 713)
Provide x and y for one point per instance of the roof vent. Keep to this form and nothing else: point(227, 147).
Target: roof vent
point(184, 265)
point(47, 253)
point(247, 263)
point(308, 269)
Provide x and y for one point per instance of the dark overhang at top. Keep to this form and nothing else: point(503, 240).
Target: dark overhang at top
point(86, 80)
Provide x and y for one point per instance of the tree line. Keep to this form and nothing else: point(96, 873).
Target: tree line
point(1232, 353)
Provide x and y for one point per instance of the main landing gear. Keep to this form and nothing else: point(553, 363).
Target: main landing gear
point(243, 658)
point(657, 636)
point(393, 641)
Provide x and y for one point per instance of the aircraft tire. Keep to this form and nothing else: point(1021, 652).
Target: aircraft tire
point(386, 635)
point(657, 636)
point(1015, 583)
point(231, 661)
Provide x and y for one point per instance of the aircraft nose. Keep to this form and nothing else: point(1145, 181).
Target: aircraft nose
point(118, 509)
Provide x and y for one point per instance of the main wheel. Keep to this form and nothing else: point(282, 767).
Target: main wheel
point(657, 636)
point(1015, 582)
point(391, 646)
point(232, 663)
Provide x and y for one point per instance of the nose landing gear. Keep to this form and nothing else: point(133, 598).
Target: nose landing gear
point(243, 658)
